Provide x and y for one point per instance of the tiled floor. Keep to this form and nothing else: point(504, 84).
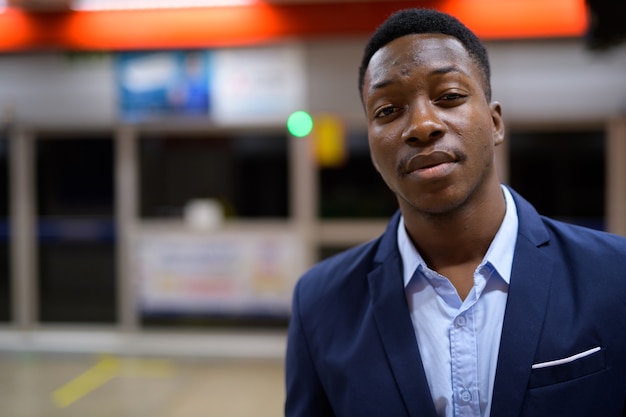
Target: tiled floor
point(87, 385)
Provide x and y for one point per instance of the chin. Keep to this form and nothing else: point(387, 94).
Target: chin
point(435, 204)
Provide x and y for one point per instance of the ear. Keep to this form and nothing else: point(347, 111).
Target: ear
point(498, 122)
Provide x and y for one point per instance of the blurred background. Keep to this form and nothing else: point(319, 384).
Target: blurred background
point(168, 169)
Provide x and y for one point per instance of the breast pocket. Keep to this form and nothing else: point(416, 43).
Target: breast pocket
point(568, 368)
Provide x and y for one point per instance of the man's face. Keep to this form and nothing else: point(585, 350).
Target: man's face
point(431, 130)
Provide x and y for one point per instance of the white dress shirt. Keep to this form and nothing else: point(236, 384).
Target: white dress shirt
point(459, 339)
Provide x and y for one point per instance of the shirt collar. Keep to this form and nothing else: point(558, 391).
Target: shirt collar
point(499, 254)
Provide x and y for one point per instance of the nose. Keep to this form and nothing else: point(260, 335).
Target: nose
point(423, 124)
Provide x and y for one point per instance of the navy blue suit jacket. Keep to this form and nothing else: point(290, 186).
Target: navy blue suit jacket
point(352, 350)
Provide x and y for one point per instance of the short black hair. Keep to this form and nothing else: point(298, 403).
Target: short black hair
point(418, 21)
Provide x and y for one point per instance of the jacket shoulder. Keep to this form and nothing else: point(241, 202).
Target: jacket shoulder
point(594, 259)
point(585, 240)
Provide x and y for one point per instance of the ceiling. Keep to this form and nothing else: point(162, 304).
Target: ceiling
point(64, 5)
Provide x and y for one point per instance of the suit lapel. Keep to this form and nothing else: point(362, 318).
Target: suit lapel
point(525, 310)
point(393, 321)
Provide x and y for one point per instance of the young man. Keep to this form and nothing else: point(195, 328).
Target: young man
point(470, 304)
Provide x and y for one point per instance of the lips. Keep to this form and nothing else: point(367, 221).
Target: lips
point(430, 161)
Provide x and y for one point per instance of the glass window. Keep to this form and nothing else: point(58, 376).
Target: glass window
point(247, 173)
point(76, 231)
point(5, 270)
point(355, 189)
point(561, 173)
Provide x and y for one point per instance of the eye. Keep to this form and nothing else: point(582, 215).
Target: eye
point(385, 111)
point(451, 98)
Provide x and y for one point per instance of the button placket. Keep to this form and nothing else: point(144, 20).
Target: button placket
point(464, 367)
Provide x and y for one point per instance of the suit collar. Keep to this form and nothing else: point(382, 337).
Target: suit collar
point(530, 224)
point(388, 240)
point(523, 318)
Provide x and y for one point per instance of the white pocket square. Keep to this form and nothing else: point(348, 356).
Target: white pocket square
point(566, 360)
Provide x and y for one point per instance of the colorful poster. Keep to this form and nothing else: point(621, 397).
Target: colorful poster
point(223, 273)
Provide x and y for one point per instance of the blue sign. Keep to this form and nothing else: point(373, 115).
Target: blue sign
point(161, 84)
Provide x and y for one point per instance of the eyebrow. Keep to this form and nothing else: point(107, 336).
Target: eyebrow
point(437, 71)
point(447, 70)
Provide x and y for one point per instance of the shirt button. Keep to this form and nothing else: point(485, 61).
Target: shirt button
point(466, 396)
point(460, 321)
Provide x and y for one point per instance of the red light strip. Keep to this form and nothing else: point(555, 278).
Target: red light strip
point(258, 23)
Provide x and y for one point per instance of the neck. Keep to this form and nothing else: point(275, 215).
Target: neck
point(459, 237)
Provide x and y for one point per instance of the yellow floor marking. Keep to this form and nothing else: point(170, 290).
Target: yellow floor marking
point(103, 371)
point(96, 376)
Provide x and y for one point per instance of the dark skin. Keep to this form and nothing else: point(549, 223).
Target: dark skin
point(432, 135)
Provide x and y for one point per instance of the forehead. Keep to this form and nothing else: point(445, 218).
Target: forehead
point(417, 51)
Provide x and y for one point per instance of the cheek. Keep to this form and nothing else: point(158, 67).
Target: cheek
point(382, 152)
point(476, 133)
point(481, 148)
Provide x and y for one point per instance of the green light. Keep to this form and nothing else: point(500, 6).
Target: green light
point(300, 124)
